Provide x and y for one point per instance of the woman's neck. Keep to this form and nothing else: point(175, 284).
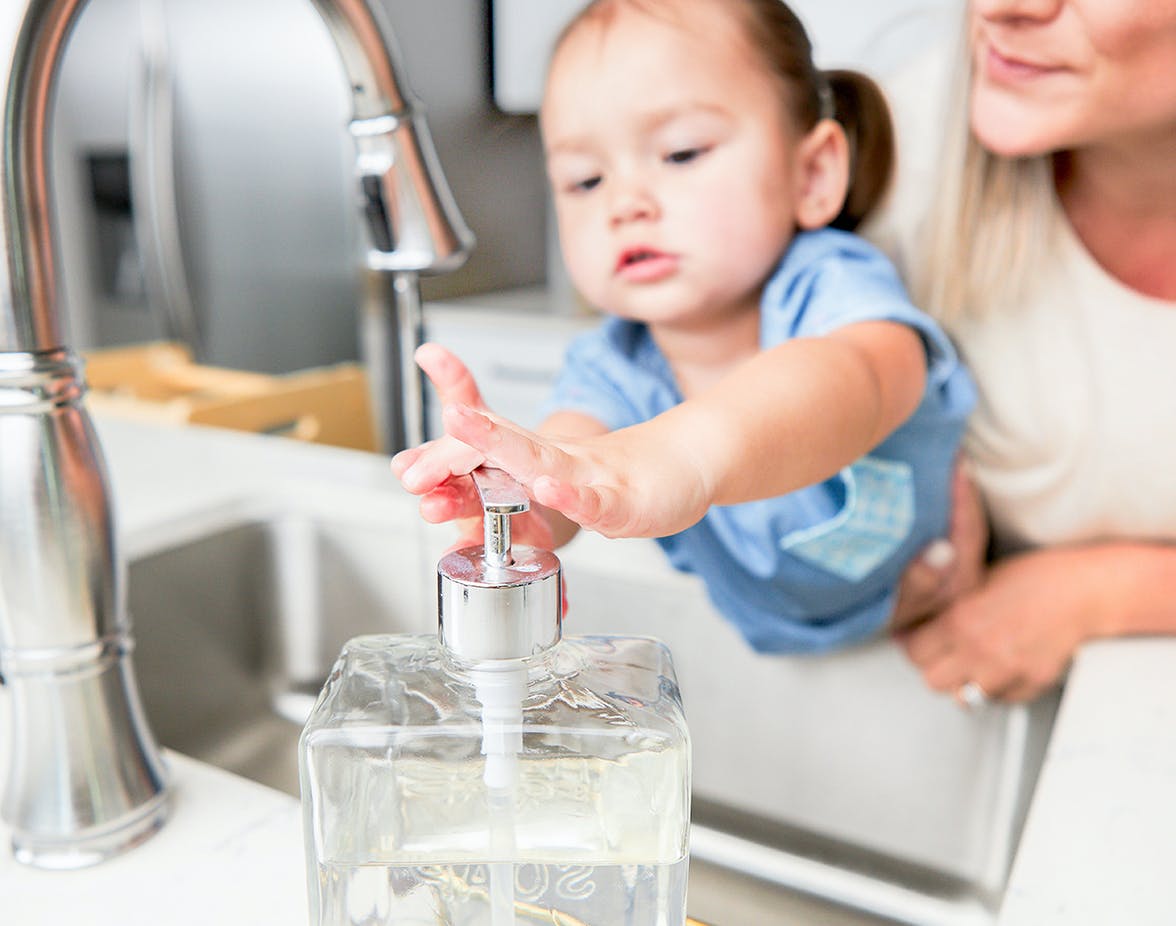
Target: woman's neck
point(1121, 202)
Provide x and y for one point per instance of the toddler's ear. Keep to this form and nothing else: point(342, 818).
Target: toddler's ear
point(822, 181)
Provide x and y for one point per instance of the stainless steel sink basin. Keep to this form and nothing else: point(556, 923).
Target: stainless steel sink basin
point(235, 633)
point(810, 774)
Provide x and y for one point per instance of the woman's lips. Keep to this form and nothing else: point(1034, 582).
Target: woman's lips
point(1006, 69)
point(645, 265)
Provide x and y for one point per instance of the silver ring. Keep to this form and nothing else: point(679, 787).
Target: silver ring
point(972, 696)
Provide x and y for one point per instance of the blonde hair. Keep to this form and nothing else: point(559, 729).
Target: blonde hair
point(991, 221)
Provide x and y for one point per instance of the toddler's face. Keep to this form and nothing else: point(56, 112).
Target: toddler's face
point(672, 162)
point(1065, 74)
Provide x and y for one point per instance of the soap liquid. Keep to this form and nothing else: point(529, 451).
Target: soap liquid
point(592, 842)
point(570, 813)
point(461, 895)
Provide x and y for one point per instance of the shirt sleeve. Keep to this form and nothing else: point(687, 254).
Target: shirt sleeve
point(829, 279)
point(600, 380)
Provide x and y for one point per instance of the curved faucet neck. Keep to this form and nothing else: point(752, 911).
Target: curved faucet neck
point(369, 53)
point(32, 37)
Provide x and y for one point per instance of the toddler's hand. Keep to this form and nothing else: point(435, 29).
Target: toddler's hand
point(438, 470)
point(430, 469)
point(627, 483)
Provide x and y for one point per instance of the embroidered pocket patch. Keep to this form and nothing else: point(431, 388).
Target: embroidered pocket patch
point(876, 519)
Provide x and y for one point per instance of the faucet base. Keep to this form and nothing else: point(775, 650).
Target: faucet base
point(81, 850)
point(86, 779)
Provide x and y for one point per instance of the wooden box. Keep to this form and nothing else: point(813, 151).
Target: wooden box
point(160, 382)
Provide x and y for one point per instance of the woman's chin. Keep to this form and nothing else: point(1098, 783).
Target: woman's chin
point(1013, 131)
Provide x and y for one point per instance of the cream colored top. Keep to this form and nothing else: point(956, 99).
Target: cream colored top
point(1074, 436)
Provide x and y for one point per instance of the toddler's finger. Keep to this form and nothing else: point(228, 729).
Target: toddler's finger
point(403, 460)
point(582, 504)
point(515, 451)
point(449, 502)
point(446, 458)
point(559, 496)
point(449, 376)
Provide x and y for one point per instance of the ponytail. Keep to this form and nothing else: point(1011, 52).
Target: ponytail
point(860, 107)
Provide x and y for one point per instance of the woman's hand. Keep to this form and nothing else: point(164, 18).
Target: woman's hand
point(947, 568)
point(1015, 635)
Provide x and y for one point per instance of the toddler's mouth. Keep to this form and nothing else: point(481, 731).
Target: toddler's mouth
point(645, 264)
point(635, 256)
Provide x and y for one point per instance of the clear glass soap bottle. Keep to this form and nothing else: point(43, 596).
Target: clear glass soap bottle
point(497, 774)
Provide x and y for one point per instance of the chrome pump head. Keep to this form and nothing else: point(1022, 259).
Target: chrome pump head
point(497, 601)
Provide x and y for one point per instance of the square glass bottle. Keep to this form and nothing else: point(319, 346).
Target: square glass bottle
point(497, 774)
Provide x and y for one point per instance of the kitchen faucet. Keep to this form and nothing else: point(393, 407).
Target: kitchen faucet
point(85, 780)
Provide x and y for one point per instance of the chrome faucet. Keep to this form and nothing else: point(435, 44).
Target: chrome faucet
point(85, 779)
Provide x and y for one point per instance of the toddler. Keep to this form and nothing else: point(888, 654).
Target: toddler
point(763, 399)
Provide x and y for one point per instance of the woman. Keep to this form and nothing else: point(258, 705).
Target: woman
point(1049, 253)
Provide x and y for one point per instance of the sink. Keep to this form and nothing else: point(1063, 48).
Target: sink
point(236, 631)
point(833, 790)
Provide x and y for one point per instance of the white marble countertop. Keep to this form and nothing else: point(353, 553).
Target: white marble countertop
point(230, 854)
point(1097, 848)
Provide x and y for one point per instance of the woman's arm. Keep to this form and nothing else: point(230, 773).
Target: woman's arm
point(1016, 634)
point(788, 417)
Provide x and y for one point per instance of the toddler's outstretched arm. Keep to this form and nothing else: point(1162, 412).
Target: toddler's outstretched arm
point(786, 418)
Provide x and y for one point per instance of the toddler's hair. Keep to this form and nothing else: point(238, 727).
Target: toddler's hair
point(773, 30)
point(860, 107)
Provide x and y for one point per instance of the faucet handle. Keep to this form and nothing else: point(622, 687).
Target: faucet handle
point(501, 496)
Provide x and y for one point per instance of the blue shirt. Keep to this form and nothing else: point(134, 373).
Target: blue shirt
point(816, 568)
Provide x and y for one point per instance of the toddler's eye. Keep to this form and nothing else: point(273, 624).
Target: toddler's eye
point(684, 155)
point(583, 186)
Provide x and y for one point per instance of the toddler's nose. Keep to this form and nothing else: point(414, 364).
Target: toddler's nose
point(632, 202)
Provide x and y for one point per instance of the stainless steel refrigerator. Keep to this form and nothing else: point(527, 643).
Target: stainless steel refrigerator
point(204, 177)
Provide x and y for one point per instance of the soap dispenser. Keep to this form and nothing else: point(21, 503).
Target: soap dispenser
point(497, 773)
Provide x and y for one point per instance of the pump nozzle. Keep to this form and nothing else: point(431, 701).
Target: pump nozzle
point(506, 617)
point(501, 497)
